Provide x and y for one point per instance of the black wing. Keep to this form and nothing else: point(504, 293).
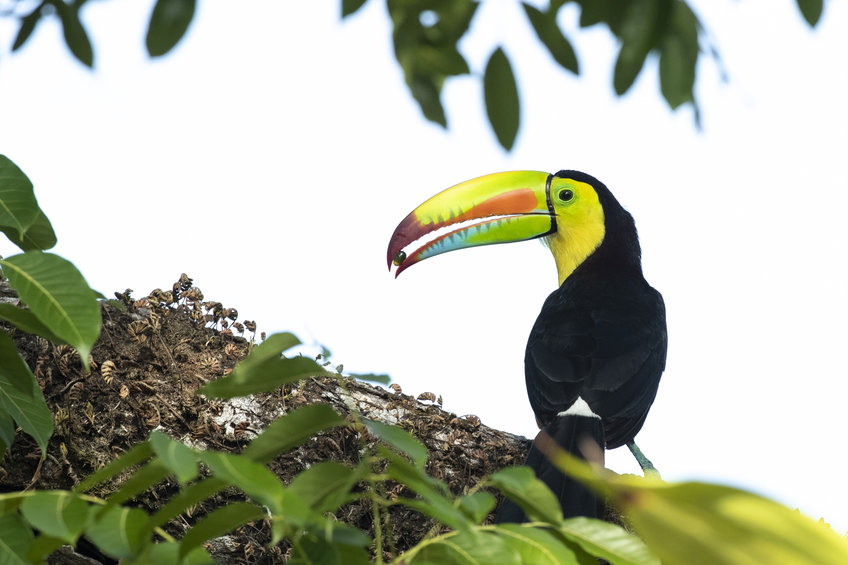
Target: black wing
point(604, 341)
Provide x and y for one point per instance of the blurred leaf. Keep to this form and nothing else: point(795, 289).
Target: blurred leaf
point(427, 52)
point(26, 321)
point(520, 485)
point(536, 545)
point(551, 36)
point(265, 370)
point(42, 546)
point(56, 513)
point(15, 539)
point(251, 477)
point(75, 35)
point(608, 12)
point(28, 24)
point(351, 6)
point(398, 438)
point(186, 498)
point(180, 459)
point(638, 35)
point(152, 473)
point(168, 553)
point(471, 548)
point(373, 378)
point(477, 505)
point(608, 541)
point(324, 486)
point(119, 531)
point(58, 295)
point(168, 23)
point(218, 523)
point(134, 456)
point(428, 95)
point(811, 10)
point(292, 429)
point(678, 56)
point(701, 524)
point(21, 397)
point(18, 206)
point(501, 95)
point(7, 432)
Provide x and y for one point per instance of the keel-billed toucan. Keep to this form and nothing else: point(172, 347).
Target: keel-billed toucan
point(597, 350)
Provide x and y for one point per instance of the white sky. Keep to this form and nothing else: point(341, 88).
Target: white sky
point(271, 155)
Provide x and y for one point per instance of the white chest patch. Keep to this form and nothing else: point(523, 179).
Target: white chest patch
point(579, 408)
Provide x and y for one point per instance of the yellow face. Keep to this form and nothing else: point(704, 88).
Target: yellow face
point(580, 224)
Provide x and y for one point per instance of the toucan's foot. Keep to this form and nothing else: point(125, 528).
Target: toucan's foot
point(647, 467)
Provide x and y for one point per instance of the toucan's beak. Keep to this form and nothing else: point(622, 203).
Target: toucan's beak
point(498, 208)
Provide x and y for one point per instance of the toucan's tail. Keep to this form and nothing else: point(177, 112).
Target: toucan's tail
point(571, 433)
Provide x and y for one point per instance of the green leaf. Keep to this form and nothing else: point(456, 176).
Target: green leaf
point(39, 235)
point(168, 23)
point(26, 321)
point(58, 296)
point(679, 56)
point(119, 532)
point(188, 497)
point(292, 429)
point(20, 396)
point(501, 95)
point(56, 513)
point(218, 523)
point(251, 477)
point(477, 505)
point(168, 553)
point(536, 545)
point(43, 546)
point(551, 36)
point(75, 35)
point(153, 473)
point(702, 524)
point(638, 36)
point(608, 541)
point(265, 370)
point(7, 432)
point(134, 456)
point(468, 548)
point(351, 6)
point(398, 438)
point(324, 486)
point(435, 502)
point(180, 459)
point(428, 95)
point(811, 10)
point(18, 207)
point(520, 485)
point(15, 539)
point(313, 550)
point(28, 23)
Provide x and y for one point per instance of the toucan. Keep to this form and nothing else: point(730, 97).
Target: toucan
point(598, 347)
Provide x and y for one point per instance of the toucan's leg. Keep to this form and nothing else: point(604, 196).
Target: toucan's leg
point(644, 462)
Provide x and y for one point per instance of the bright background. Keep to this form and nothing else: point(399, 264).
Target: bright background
point(271, 155)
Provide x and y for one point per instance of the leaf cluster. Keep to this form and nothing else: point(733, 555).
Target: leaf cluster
point(427, 31)
point(168, 23)
point(426, 36)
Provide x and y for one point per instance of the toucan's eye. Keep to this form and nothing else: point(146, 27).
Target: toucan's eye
point(565, 195)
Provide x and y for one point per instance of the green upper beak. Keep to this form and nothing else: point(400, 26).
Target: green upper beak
point(497, 208)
